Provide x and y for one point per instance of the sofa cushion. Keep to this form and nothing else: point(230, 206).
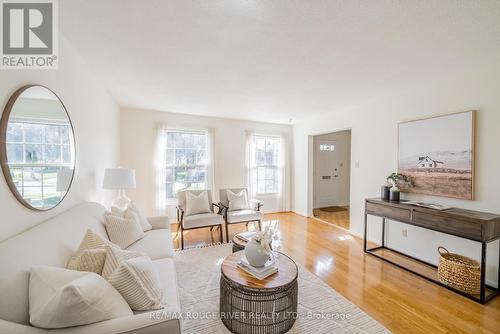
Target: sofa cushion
point(114, 257)
point(157, 244)
point(204, 219)
point(123, 231)
point(61, 298)
point(243, 215)
point(91, 260)
point(50, 243)
point(168, 279)
point(91, 254)
point(138, 281)
point(132, 208)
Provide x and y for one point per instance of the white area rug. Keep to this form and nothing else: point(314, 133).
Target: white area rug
point(321, 309)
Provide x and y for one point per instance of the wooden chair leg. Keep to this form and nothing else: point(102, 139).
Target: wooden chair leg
point(182, 238)
point(246, 226)
point(260, 225)
point(220, 234)
point(227, 232)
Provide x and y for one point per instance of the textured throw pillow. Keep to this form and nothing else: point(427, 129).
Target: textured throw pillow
point(91, 254)
point(138, 282)
point(146, 226)
point(88, 260)
point(196, 204)
point(114, 257)
point(237, 201)
point(61, 298)
point(123, 231)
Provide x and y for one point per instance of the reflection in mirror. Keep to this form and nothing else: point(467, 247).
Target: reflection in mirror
point(39, 148)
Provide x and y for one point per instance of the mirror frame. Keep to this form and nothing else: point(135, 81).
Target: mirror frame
point(4, 121)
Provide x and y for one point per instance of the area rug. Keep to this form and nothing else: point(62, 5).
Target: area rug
point(320, 308)
point(333, 209)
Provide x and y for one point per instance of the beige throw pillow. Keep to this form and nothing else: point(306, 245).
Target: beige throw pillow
point(113, 258)
point(138, 282)
point(123, 231)
point(237, 201)
point(132, 208)
point(196, 204)
point(91, 254)
point(61, 298)
point(89, 260)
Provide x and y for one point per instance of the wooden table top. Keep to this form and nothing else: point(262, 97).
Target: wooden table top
point(287, 272)
point(238, 241)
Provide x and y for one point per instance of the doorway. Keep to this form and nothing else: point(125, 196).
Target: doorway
point(332, 177)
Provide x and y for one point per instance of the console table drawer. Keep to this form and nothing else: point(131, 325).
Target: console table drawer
point(388, 212)
point(448, 225)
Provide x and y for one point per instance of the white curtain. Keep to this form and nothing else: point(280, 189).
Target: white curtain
point(160, 169)
point(283, 198)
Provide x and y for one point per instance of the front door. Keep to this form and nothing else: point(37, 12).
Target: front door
point(327, 173)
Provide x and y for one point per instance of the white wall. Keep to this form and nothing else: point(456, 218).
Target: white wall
point(374, 155)
point(95, 119)
point(138, 145)
point(334, 191)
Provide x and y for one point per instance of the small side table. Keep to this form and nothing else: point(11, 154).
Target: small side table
point(238, 244)
point(252, 306)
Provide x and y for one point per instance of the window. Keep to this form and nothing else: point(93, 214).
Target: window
point(265, 164)
point(186, 161)
point(326, 147)
point(36, 152)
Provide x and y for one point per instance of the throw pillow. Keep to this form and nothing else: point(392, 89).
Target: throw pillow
point(88, 260)
point(138, 282)
point(123, 231)
point(91, 254)
point(196, 204)
point(237, 201)
point(61, 298)
point(132, 209)
point(114, 257)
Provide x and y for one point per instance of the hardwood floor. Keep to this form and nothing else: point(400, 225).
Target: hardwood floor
point(401, 301)
point(340, 219)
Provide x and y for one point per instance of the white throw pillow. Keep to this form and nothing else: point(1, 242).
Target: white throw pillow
point(114, 257)
point(196, 204)
point(123, 231)
point(146, 226)
point(138, 282)
point(61, 298)
point(237, 201)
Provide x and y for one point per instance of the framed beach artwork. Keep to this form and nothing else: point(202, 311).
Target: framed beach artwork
point(438, 154)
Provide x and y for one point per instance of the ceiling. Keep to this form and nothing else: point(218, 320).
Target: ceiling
point(277, 61)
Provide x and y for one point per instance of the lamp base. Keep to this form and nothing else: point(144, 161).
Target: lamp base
point(121, 202)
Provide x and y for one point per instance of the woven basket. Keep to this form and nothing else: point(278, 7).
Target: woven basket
point(459, 272)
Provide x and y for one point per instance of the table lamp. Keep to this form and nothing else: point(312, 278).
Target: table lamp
point(119, 179)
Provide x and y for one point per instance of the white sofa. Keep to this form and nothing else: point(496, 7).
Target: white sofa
point(53, 242)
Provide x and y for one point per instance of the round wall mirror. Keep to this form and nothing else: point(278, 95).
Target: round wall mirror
point(37, 148)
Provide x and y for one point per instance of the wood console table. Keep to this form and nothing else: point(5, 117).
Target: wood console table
point(473, 225)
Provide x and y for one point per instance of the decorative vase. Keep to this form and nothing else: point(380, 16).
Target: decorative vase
point(394, 194)
point(385, 192)
point(256, 253)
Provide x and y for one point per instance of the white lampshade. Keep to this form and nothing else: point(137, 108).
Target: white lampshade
point(119, 178)
point(64, 177)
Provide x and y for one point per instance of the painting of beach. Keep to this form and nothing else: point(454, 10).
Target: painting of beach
point(438, 154)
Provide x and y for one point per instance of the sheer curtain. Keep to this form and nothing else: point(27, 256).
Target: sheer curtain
point(160, 168)
point(283, 197)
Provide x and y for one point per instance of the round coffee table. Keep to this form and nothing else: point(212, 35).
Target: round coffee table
point(249, 305)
